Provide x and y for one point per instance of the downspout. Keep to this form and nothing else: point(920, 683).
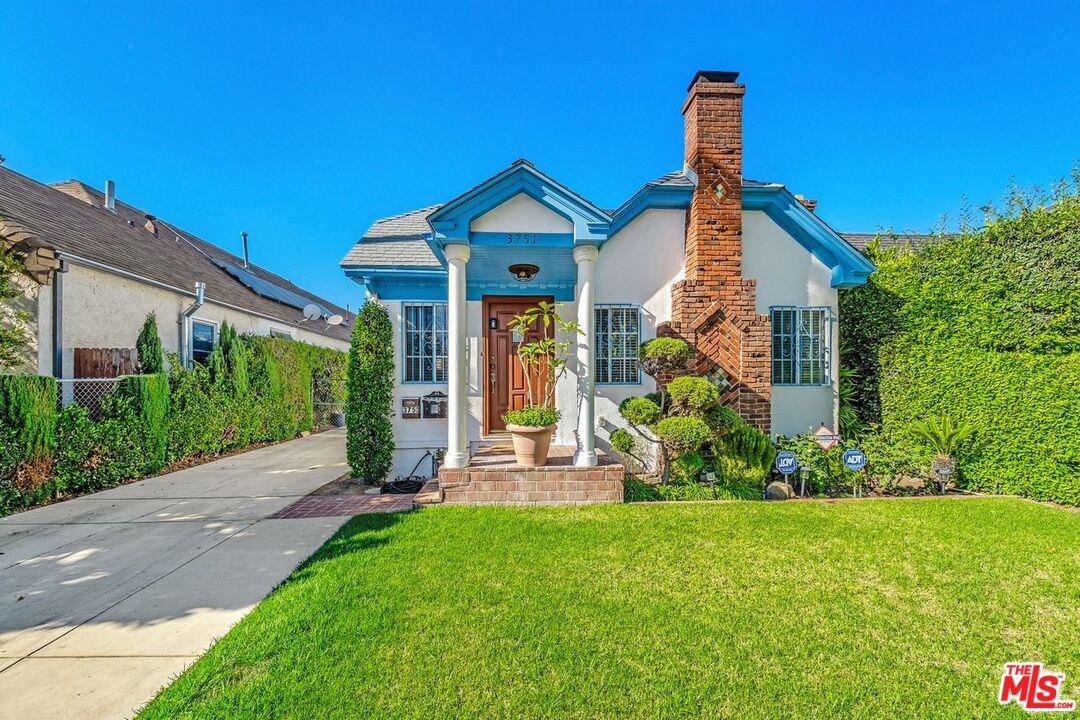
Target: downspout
point(185, 324)
point(58, 320)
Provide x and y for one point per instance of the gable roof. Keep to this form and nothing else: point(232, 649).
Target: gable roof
point(70, 218)
point(398, 241)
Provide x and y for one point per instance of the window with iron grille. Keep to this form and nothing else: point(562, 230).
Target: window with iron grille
point(424, 342)
point(801, 345)
point(618, 337)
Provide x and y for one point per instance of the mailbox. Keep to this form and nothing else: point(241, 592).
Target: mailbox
point(435, 405)
point(410, 408)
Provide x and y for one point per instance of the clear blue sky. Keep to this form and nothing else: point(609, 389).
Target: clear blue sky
point(303, 122)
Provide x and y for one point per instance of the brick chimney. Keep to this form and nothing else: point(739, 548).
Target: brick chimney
point(713, 308)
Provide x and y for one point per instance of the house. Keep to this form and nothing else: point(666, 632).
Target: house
point(743, 270)
point(96, 267)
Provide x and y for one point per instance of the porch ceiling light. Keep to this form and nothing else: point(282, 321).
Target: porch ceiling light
point(524, 272)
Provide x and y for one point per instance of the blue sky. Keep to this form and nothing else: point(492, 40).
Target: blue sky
point(302, 122)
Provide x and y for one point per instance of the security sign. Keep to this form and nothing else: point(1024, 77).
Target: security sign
point(786, 462)
point(854, 459)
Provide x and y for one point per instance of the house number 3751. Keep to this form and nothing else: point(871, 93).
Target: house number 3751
point(520, 239)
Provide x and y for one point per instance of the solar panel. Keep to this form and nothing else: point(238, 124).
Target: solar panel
point(269, 290)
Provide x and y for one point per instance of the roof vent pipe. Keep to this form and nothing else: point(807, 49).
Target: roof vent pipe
point(110, 196)
point(243, 239)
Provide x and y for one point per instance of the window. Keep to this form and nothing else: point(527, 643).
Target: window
point(618, 337)
point(280, 334)
point(801, 342)
point(202, 340)
point(424, 348)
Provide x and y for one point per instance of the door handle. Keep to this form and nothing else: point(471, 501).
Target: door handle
point(492, 383)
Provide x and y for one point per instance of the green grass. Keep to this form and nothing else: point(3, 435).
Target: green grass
point(877, 608)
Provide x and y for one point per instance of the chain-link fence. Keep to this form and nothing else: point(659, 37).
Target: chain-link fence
point(86, 392)
point(328, 400)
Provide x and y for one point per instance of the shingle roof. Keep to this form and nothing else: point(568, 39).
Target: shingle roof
point(70, 218)
point(396, 240)
point(860, 240)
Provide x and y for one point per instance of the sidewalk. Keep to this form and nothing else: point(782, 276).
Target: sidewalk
point(105, 598)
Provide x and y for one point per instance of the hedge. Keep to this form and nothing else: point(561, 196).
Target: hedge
point(370, 391)
point(252, 389)
point(983, 326)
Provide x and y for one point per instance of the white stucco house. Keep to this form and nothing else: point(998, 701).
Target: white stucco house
point(96, 267)
point(744, 270)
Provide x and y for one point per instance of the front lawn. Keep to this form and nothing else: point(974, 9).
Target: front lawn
point(876, 608)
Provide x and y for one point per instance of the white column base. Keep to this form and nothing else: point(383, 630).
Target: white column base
point(585, 459)
point(456, 460)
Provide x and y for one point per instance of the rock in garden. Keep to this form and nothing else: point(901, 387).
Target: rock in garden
point(779, 491)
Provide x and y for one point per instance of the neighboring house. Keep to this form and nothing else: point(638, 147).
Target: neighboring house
point(96, 267)
point(887, 239)
point(743, 270)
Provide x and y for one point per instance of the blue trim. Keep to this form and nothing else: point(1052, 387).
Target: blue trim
point(451, 222)
point(668, 197)
point(637, 345)
point(849, 267)
point(561, 292)
point(521, 240)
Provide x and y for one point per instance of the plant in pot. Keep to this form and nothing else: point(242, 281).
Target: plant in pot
point(543, 363)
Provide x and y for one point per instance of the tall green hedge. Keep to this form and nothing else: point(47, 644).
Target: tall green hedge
point(253, 389)
point(27, 439)
point(370, 388)
point(984, 326)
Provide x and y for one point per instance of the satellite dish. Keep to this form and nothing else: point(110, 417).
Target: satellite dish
point(335, 320)
point(312, 311)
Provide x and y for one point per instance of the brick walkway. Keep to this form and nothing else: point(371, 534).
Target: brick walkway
point(315, 506)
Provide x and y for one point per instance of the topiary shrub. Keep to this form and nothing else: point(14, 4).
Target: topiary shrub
point(639, 411)
point(692, 395)
point(622, 440)
point(148, 345)
point(370, 392)
point(682, 434)
point(664, 354)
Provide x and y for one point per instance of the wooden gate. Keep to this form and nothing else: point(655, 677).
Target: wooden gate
point(105, 362)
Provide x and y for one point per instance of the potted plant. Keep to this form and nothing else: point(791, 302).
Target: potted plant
point(543, 362)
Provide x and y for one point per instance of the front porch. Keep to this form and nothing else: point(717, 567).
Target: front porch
point(492, 477)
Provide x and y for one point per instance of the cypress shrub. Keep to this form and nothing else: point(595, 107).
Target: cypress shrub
point(149, 396)
point(148, 345)
point(370, 388)
point(27, 440)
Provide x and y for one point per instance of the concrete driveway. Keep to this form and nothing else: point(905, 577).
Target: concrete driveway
point(105, 598)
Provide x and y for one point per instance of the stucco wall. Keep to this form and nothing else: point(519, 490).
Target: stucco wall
point(787, 274)
point(105, 310)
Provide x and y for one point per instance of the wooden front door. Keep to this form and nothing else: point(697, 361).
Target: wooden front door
point(504, 381)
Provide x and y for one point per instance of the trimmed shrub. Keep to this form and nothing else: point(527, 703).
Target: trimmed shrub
point(27, 440)
point(149, 396)
point(370, 388)
point(664, 354)
point(639, 410)
point(692, 395)
point(622, 440)
point(148, 345)
point(683, 434)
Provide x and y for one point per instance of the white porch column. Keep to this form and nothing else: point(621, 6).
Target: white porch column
point(457, 442)
point(585, 256)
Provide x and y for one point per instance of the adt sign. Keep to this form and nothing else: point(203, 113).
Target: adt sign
point(854, 459)
point(786, 462)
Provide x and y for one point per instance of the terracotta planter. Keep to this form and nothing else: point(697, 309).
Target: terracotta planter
point(531, 444)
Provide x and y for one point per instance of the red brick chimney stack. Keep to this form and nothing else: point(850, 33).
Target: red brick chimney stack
point(713, 308)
